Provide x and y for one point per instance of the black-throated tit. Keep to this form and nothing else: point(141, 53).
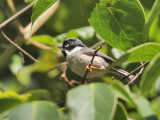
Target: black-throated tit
point(78, 57)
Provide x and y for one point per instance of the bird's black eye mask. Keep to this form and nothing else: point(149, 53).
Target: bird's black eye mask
point(69, 45)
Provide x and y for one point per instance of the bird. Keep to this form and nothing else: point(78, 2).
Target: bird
point(78, 57)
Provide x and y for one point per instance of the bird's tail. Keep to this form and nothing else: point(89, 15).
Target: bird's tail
point(123, 73)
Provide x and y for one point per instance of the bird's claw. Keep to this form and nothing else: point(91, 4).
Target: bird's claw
point(93, 67)
point(88, 68)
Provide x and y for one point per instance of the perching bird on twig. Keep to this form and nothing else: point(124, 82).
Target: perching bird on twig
point(79, 57)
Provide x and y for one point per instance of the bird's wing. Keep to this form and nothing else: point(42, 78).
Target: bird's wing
point(90, 52)
point(116, 69)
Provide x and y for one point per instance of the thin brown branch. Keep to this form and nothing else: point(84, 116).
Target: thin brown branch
point(16, 15)
point(141, 66)
point(95, 52)
point(137, 75)
point(70, 83)
point(63, 75)
point(18, 47)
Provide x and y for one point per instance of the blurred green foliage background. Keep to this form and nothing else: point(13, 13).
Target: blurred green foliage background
point(19, 73)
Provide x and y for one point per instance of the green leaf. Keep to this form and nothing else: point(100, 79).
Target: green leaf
point(150, 75)
point(144, 108)
point(91, 102)
point(8, 103)
point(87, 7)
point(157, 85)
point(120, 25)
point(16, 64)
point(121, 113)
point(144, 52)
point(35, 111)
point(154, 31)
point(153, 14)
point(48, 60)
point(40, 7)
point(4, 115)
point(45, 39)
point(39, 94)
point(122, 91)
point(137, 102)
point(155, 104)
point(10, 98)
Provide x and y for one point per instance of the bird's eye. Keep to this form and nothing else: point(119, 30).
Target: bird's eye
point(66, 45)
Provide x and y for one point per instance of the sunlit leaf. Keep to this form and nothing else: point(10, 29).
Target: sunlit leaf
point(121, 25)
point(45, 39)
point(40, 7)
point(91, 102)
point(154, 31)
point(144, 52)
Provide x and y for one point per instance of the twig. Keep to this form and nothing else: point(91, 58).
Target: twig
point(95, 52)
point(16, 15)
point(18, 47)
point(64, 77)
point(137, 75)
point(142, 66)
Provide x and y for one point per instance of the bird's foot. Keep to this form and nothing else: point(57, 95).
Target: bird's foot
point(93, 67)
point(88, 68)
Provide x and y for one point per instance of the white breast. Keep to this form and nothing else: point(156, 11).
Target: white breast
point(77, 63)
